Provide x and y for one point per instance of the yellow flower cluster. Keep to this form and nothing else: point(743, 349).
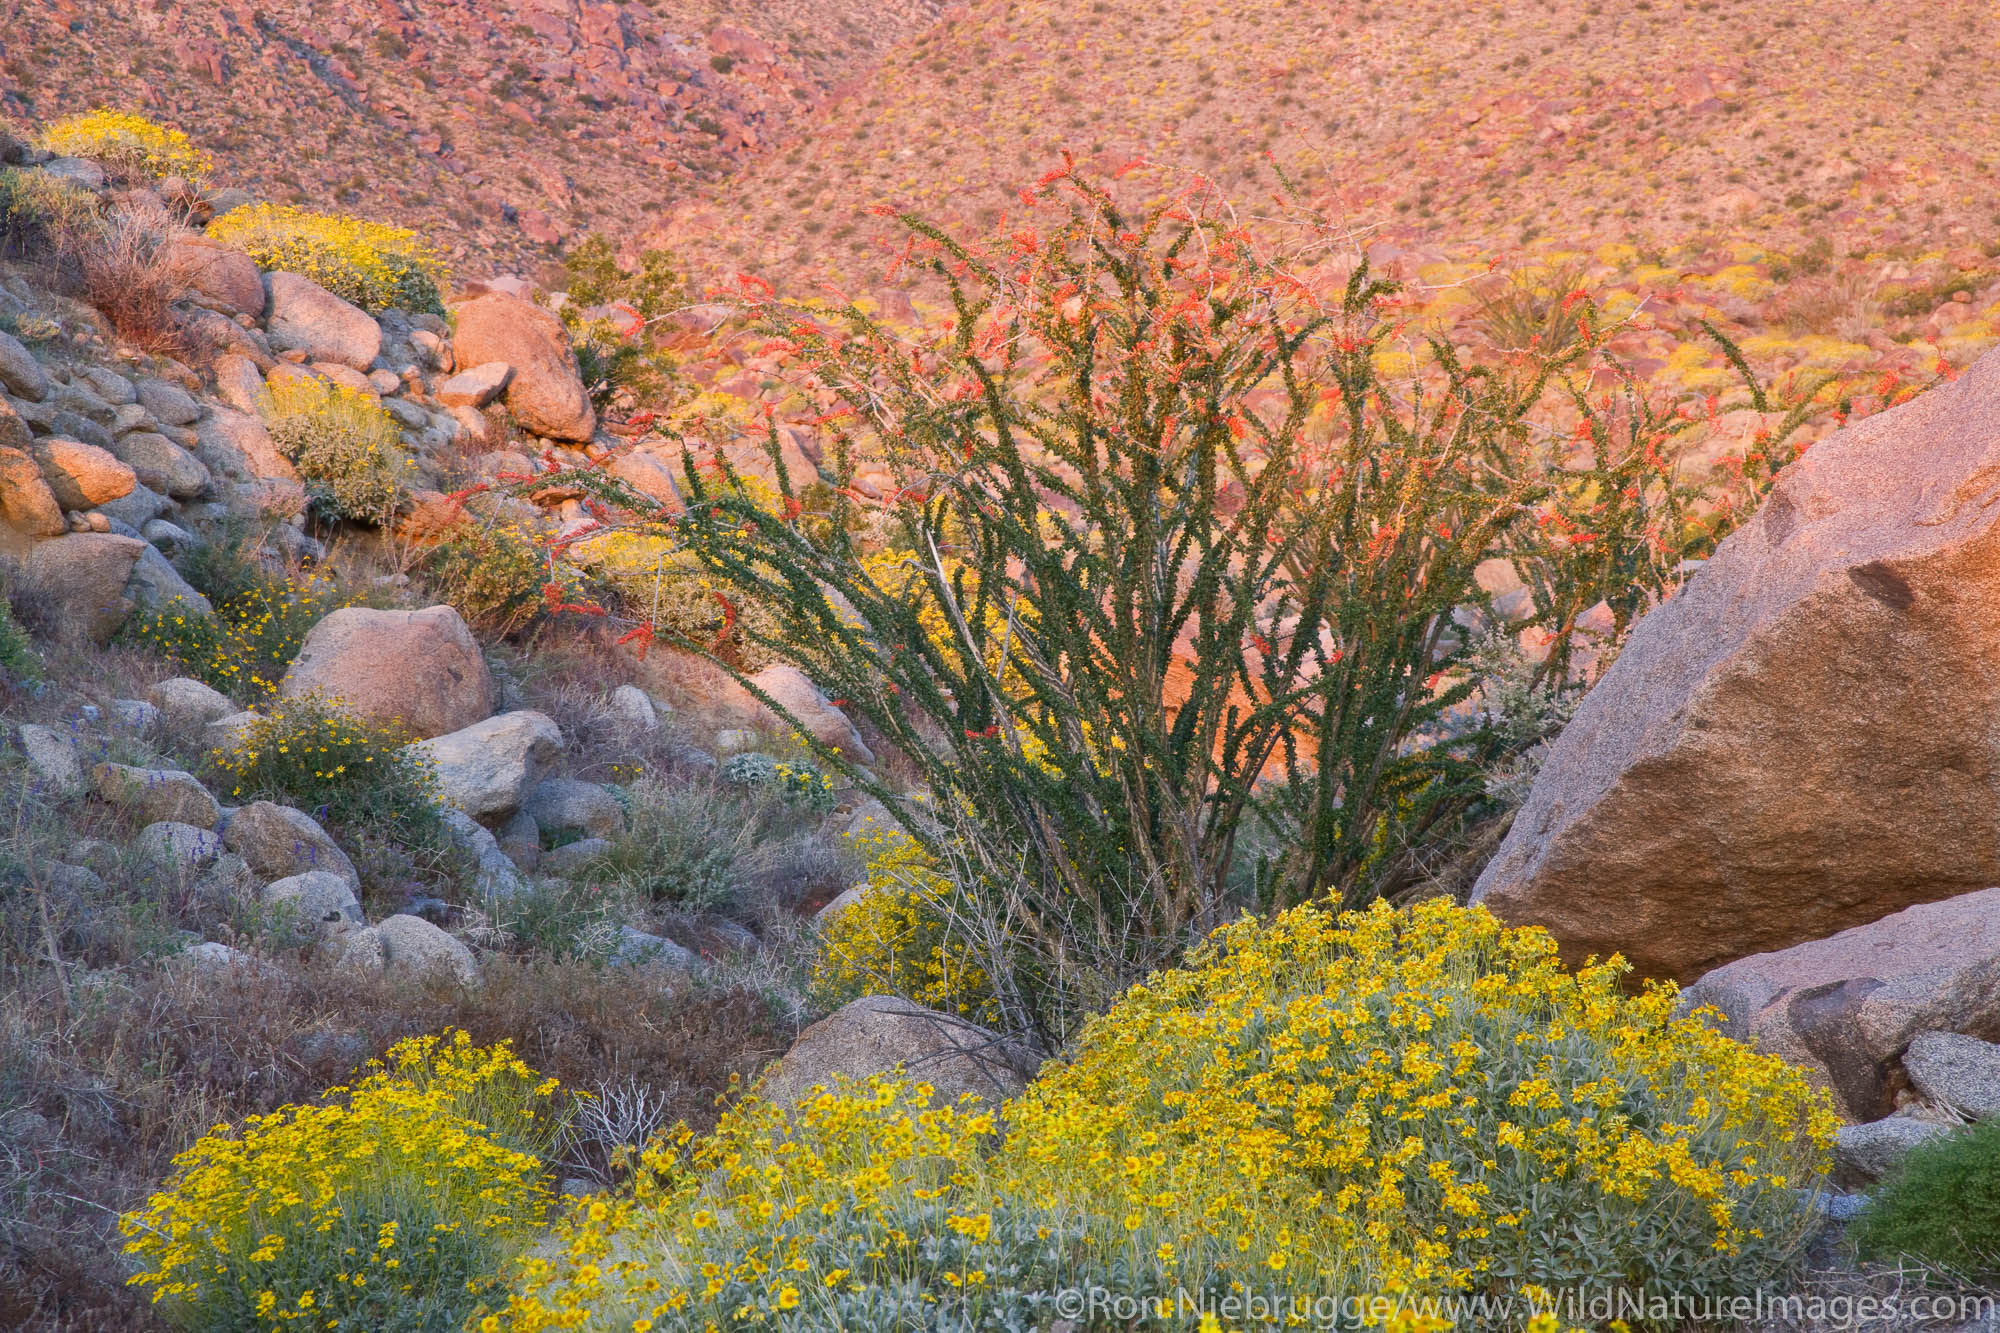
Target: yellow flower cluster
point(244, 649)
point(389, 1204)
point(1411, 1104)
point(345, 444)
point(732, 1230)
point(895, 940)
point(311, 753)
point(374, 265)
point(121, 140)
point(1424, 1100)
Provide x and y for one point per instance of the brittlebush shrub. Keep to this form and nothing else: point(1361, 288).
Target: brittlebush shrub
point(1942, 1207)
point(373, 265)
point(652, 580)
point(1417, 1104)
point(312, 754)
point(347, 448)
point(493, 574)
point(389, 1205)
point(895, 941)
point(123, 142)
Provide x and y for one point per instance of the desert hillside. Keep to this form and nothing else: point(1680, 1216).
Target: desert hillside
point(503, 129)
point(1476, 131)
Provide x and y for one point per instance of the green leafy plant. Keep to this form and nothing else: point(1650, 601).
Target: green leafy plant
point(40, 213)
point(683, 845)
point(19, 662)
point(377, 267)
point(493, 573)
point(793, 781)
point(346, 447)
point(620, 354)
point(1942, 1206)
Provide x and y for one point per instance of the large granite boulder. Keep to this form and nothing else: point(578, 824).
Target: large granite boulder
point(308, 317)
point(278, 842)
point(156, 795)
point(1803, 740)
point(222, 273)
point(26, 502)
point(1847, 1007)
point(545, 393)
point(97, 578)
point(878, 1034)
point(485, 769)
point(802, 702)
point(419, 670)
point(571, 806)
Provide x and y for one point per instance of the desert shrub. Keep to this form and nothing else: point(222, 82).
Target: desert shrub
point(245, 648)
point(1532, 308)
point(1177, 548)
point(1418, 1103)
point(1942, 1207)
point(653, 581)
point(375, 266)
point(391, 1204)
point(19, 661)
point(312, 754)
point(126, 143)
point(128, 270)
point(615, 357)
point(347, 448)
point(896, 941)
point(684, 845)
point(791, 780)
point(40, 212)
point(491, 573)
point(562, 919)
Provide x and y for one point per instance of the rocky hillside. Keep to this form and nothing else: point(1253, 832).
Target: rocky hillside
point(502, 129)
point(1491, 132)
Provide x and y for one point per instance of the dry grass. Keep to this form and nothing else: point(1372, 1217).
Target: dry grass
point(115, 1053)
point(128, 270)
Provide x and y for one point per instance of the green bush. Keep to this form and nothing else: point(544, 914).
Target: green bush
point(682, 845)
point(1942, 1207)
point(375, 266)
point(651, 580)
point(41, 212)
point(491, 573)
point(612, 361)
point(18, 659)
point(793, 781)
point(562, 920)
point(347, 448)
point(311, 754)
